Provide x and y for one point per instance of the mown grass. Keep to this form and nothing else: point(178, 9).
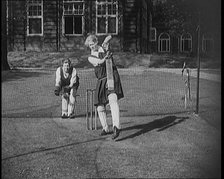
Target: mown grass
point(146, 92)
point(46, 60)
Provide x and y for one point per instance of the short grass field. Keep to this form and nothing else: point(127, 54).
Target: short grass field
point(36, 140)
point(33, 59)
point(159, 138)
point(147, 92)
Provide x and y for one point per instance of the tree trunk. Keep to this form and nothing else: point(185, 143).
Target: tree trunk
point(4, 61)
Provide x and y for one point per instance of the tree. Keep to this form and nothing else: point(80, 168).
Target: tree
point(4, 61)
point(176, 16)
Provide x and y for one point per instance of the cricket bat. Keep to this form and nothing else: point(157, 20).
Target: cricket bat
point(109, 65)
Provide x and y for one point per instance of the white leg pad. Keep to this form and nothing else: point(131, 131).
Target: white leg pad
point(103, 118)
point(115, 112)
point(64, 102)
point(71, 104)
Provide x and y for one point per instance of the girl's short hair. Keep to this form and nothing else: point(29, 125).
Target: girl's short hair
point(66, 60)
point(90, 38)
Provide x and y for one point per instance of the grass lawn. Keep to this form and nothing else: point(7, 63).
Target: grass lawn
point(52, 60)
point(146, 92)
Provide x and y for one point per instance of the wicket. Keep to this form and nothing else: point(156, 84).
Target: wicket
point(91, 113)
point(187, 94)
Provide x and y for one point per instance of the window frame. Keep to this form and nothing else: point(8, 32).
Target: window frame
point(35, 17)
point(207, 37)
point(152, 29)
point(73, 15)
point(167, 41)
point(182, 40)
point(106, 16)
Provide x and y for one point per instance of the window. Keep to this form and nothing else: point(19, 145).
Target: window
point(153, 34)
point(106, 17)
point(73, 17)
point(207, 43)
point(186, 43)
point(164, 42)
point(34, 17)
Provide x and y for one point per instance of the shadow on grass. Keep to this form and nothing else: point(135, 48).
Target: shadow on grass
point(46, 149)
point(19, 74)
point(160, 124)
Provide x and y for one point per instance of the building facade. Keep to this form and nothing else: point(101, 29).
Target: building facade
point(63, 25)
point(180, 27)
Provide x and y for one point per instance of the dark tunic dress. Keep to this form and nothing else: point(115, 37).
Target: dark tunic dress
point(66, 81)
point(102, 92)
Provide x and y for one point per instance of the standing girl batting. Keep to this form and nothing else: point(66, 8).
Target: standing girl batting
point(105, 92)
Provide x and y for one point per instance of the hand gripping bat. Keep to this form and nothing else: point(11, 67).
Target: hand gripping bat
point(105, 43)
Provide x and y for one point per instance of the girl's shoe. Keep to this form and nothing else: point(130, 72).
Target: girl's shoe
point(64, 116)
point(72, 116)
point(103, 133)
point(116, 132)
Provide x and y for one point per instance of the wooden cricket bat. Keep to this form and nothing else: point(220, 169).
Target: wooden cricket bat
point(110, 77)
point(109, 66)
